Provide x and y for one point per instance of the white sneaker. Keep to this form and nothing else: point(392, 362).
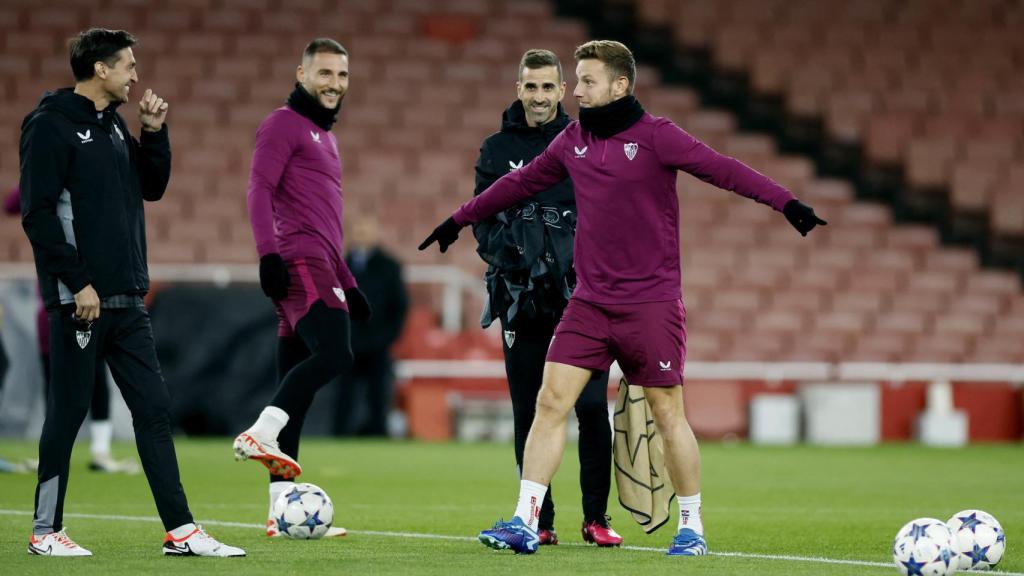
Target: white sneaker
point(332, 532)
point(198, 543)
point(248, 447)
point(55, 544)
point(336, 532)
point(106, 463)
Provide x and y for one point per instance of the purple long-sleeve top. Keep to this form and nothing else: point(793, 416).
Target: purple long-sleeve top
point(295, 195)
point(627, 232)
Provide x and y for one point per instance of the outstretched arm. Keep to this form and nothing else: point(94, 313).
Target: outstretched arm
point(541, 173)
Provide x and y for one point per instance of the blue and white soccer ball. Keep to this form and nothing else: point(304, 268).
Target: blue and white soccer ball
point(303, 512)
point(978, 538)
point(924, 547)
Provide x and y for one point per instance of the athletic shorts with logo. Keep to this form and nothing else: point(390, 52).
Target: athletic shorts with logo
point(647, 339)
point(311, 279)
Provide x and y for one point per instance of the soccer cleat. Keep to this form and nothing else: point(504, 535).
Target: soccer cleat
point(249, 447)
point(272, 531)
point(55, 544)
point(514, 535)
point(199, 543)
point(548, 537)
point(332, 532)
point(688, 543)
point(600, 532)
point(107, 464)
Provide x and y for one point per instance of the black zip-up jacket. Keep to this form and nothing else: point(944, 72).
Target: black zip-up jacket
point(83, 180)
point(529, 246)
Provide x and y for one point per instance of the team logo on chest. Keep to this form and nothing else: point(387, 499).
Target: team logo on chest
point(86, 138)
point(315, 135)
point(580, 152)
point(630, 148)
point(512, 166)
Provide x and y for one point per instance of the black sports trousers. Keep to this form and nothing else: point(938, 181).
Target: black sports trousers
point(305, 363)
point(100, 408)
point(525, 349)
point(123, 337)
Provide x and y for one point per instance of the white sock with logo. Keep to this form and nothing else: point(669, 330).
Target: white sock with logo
point(689, 513)
point(100, 434)
point(270, 423)
point(182, 531)
point(276, 489)
point(531, 497)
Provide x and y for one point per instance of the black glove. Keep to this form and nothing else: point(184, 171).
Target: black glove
point(358, 307)
point(445, 235)
point(801, 216)
point(274, 279)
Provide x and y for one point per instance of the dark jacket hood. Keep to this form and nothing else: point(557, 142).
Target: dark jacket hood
point(514, 120)
point(74, 107)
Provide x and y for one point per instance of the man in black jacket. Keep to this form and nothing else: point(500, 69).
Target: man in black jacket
point(529, 281)
point(364, 405)
point(83, 180)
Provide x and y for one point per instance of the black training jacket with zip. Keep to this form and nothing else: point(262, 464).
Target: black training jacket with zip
point(83, 180)
point(528, 247)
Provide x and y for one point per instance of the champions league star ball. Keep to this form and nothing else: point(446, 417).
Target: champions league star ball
point(978, 539)
point(924, 547)
point(303, 512)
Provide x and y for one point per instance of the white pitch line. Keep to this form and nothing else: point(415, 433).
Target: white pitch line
point(782, 557)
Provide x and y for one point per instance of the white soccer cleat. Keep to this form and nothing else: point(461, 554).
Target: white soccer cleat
point(107, 464)
point(55, 544)
point(249, 447)
point(336, 532)
point(199, 543)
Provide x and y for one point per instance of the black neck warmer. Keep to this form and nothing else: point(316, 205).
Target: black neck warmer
point(608, 120)
point(304, 103)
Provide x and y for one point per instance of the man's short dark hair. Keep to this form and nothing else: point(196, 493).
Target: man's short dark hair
point(615, 55)
point(319, 45)
point(96, 45)
point(534, 59)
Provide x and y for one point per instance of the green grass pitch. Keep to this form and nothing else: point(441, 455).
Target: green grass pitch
point(415, 508)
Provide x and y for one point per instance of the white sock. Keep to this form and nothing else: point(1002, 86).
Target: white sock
point(270, 423)
point(689, 513)
point(182, 531)
point(531, 497)
point(100, 433)
point(276, 489)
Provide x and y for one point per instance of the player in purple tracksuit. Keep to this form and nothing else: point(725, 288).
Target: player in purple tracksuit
point(295, 206)
point(627, 304)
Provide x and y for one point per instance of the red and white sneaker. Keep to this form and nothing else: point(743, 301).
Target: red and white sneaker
point(332, 532)
point(199, 543)
point(600, 532)
point(55, 544)
point(248, 447)
point(548, 537)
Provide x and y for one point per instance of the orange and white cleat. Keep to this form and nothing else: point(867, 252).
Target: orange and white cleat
point(199, 543)
point(248, 447)
point(55, 544)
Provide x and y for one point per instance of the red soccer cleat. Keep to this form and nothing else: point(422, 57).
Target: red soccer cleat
point(547, 537)
point(600, 532)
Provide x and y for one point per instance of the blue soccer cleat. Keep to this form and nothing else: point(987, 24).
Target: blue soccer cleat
point(514, 535)
point(688, 543)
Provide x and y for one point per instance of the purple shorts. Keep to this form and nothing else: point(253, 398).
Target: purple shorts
point(648, 340)
point(311, 279)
